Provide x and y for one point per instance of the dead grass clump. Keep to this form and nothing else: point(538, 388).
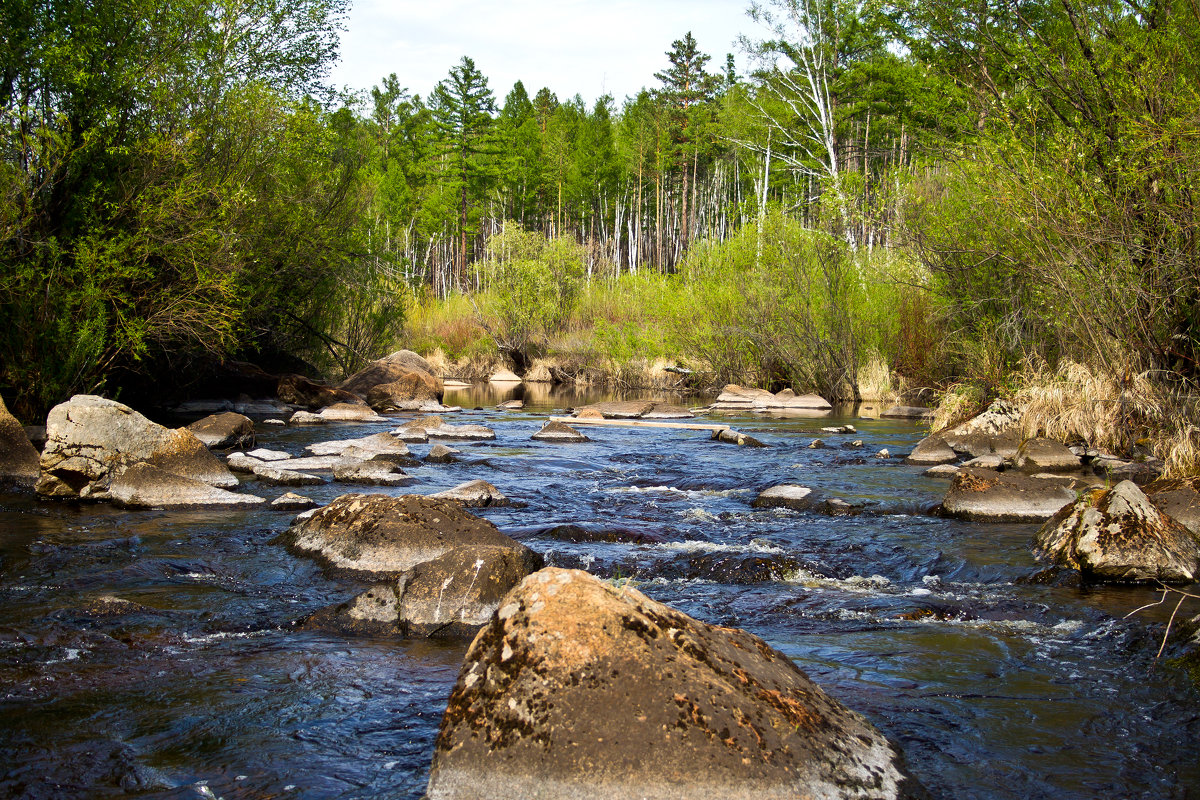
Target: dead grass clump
point(875, 382)
point(959, 403)
point(1127, 414)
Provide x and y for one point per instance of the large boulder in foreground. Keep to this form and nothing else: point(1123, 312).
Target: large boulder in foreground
point(450, 596)
point(989, 496)
point(89, 439)
point(399, 366)
point(1119, 535)
point(18, 457)
point(578, 688)
point(225, 431)
point(376, 536)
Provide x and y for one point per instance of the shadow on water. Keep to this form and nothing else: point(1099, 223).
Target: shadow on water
point(195, 684)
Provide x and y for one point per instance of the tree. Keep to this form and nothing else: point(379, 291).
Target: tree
point(462, 107)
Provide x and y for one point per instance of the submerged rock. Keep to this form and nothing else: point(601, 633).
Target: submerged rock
point(990, 496)
point(224, 431)
point(475, 494)
point(511, 405)
point(18, 458)
point(559, 432)
point(293, 502)
point(1120, 535)
point(376, 536)
point(452, 595)
point(90, 438)
point(143, 485)
point(578, 688)
point(441, 454)
point(907, 412)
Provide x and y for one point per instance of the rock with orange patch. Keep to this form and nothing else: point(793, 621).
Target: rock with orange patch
point(89, 439)
point(579, 688)
point(989, 496)
point(1119, 535)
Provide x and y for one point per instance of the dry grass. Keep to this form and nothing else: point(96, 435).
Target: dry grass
point(959, 403)
point(1129, 414)
point(875, 382)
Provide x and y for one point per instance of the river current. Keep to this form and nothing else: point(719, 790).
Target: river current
point(992, 687)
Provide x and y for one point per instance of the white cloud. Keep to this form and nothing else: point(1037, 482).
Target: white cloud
point(571, 46)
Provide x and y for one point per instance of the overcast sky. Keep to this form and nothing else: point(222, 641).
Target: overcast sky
point(590, 47)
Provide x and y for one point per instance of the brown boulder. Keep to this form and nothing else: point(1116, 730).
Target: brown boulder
point(579, 688)
point(559, 432)
point(301, 391)
point(389, 370)
point(18, 457)
point(931, 451)
point(379, 536)
point(1046, 455)
point(475, 494)
point(1119, 535)
point(412, 391)
point(619, 409)
point(224, 431)
point(452, 595)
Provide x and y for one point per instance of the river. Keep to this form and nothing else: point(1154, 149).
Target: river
point(993, 688)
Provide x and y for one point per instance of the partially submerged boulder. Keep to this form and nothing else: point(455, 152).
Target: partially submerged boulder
point(931, 452)
point(301, 391)
point(422, 429)
point(391, 369)
point(559, 432)
point(143, 485)
point(376, 536)
point(1120, 535)
point(504, 376)
point(668, 411)
point(1046, 455)
point(349, 412)
point(618, 409)
point(224, 431)
point(441, 454)
point(378, 470)
point(739, 398)
point(378, 443)
point(579, 688)
point(908, 412)
point(990, 496)
point(730, 436)
point(293, 502)
point(450, 596)
point(18, 457)
point(475, 494)
point(271, 472)
point(786, 495)
point(91, 438)
point(412, 391)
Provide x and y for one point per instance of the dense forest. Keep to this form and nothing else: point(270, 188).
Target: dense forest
point(982, 200)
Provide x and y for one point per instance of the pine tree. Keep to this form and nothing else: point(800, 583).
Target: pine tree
point(462, 107)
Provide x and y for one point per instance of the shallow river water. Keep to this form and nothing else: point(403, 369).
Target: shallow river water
point(993, 688)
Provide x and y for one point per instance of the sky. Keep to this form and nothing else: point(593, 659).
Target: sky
point(589, 47)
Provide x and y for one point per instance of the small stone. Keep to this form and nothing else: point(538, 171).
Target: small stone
point(293, 502)
point(441, 454)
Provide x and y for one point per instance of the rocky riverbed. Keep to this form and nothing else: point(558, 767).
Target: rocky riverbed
point(167, 652)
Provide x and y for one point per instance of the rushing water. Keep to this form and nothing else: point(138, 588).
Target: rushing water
point(993, 688)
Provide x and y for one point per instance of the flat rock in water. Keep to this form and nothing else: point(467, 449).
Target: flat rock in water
point(992, 461)
point(734, 398)
point(559, 432)
point(224, 431)
point(786, 495)
point(293, 502)
point(450, 596)
point(668, 411)
point(1119, 535)
point(240, 462)
point(579, 688)
point(376, 472)
point(89, 438)
point(262, 454)
point(1046, 455)
point(461, 432)
point(990, 496)
point(142, 485)
point(310, 464)
point(511, 405)
point(441, 454)
point(907, 412)
point(349, 412)
point(619, 409)
point(1178, 499)
point(475, 494)
point(272, 473)
point(376, 536)
point(414, 429)
point(941, 471)
point(19, 459)
point(307, 418)
point(930, 451)
point(376, 443)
